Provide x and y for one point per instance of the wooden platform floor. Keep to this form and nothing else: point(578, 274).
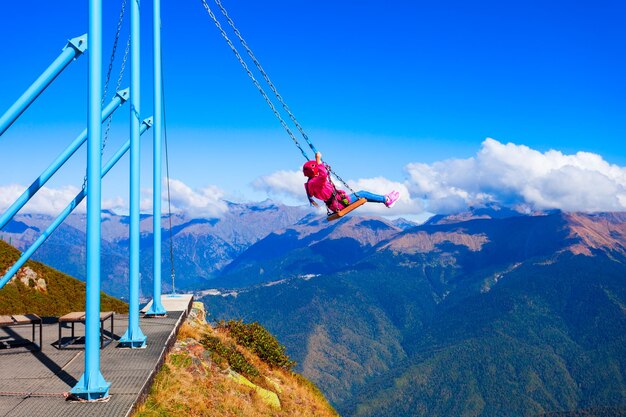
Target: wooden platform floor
point(32, 383)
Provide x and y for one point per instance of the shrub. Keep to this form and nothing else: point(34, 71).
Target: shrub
point(231, 354)
point(180, 361)
point(256, 338)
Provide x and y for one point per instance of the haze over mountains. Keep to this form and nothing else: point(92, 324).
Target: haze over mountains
point(490, 312)
point(201, 246)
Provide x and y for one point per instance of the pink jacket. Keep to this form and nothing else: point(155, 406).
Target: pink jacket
point(320, 187)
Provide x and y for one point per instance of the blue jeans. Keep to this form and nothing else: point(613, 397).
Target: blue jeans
point(370, 197)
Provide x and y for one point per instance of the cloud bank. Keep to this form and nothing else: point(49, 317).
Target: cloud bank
point(290, 184)
point(206, 202)
point(512, 174)
point(507, 174)
point(282, 183)
point(51, 201)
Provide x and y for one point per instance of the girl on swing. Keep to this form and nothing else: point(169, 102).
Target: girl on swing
point(320, 186)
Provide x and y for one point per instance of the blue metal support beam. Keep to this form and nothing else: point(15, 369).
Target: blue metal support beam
point(147, 123)
point(119, 99)
point(134, 337)
point(157, 309)
point(74, 48)
point(92, 385)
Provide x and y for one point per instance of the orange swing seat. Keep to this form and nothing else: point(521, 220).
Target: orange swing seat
point(346, 210)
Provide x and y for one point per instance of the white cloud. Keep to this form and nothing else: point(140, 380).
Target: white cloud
point(51, 201)
point(513, 174)
point(507, 174)
point(116, 205)
point(291, 184)
point(204, 202)
point(379, 185)
point(283, 183)
point(47, 201)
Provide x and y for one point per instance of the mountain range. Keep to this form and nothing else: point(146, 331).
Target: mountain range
point(488, 313)
point(491, 312)
point(201, 246)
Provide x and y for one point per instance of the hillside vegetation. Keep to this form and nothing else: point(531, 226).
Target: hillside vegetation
point(44, 291)
point(486, 313)
point(219, 372)
point(592, 412)
point(517, 316)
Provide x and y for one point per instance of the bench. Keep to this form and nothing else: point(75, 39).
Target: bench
point(24, 320)
point(70, 319)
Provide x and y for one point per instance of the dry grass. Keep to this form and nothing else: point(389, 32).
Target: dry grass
point(188, 331)
point(192, 384)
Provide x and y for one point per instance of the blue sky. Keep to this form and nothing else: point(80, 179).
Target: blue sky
point(377, 86)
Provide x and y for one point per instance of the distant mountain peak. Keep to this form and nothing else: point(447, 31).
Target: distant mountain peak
point(603, 231)
point(487, 211)
point(421, 241)
point(403, 223)
point(367, 230)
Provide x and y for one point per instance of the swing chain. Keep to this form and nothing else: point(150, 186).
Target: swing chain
point(264, 74)
point(167, 173)
point(117, 88)
point(269, 83)
point(254, 80)
point(340, 179)
point(108, 79)
point(113, 51)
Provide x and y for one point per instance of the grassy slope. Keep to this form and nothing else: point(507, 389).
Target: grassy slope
point(195, 381)
point(63, 293)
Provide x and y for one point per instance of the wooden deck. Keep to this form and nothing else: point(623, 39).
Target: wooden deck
point(33, 383)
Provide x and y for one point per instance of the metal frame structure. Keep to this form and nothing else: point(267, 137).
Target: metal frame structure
point(146, 124)
point(157, 309)
point(119, 99)
point(92, 385)
point(134, 337)
point(74, 48)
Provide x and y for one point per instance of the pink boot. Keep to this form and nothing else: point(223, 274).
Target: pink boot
point(391, 198)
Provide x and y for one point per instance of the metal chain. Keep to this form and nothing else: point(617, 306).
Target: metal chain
point(340, 179)
point(167, 174)
point(254, 80)
point(269, 83)
point(117, 88)
point(265, 76)
point(112, 59)
point(108, 79)
point(169, 212)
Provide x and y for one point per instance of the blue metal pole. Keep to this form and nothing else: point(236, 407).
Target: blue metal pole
point(134, 338)
point(92, 385)
point(67, 211)
point(157, 309)
point(119, 99)
point(74, 48)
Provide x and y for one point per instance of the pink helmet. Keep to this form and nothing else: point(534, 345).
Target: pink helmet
point(310, 169)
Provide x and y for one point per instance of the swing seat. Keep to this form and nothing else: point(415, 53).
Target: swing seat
point(347, 209)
